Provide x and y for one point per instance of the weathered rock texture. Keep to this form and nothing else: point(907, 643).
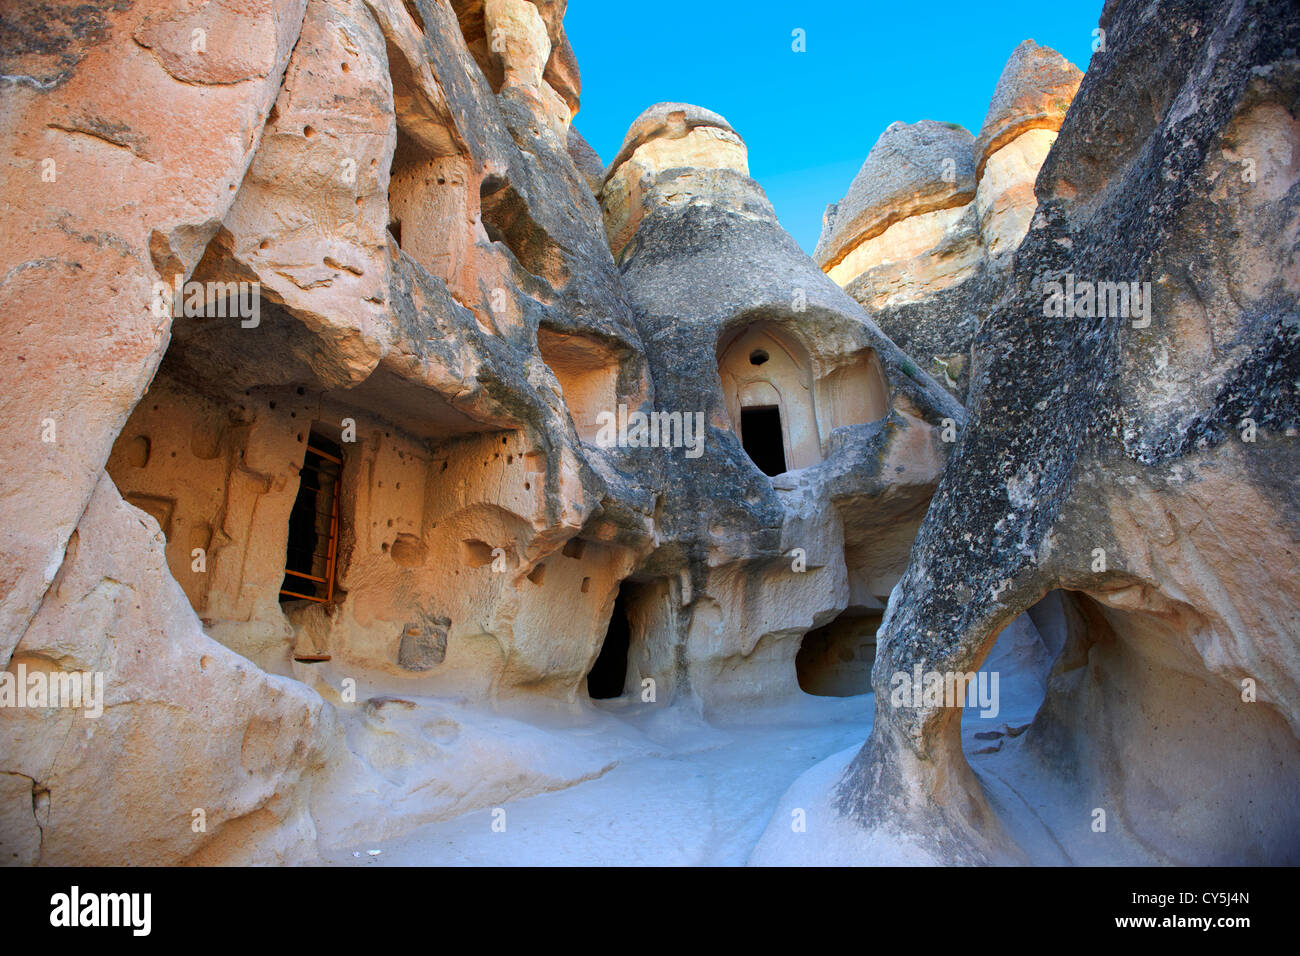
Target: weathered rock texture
point(923, 237)
point(706, 264)
point(907, 203)
point(338, 279)
point(401, 263)
point(1148, 469)
point(1028, 107)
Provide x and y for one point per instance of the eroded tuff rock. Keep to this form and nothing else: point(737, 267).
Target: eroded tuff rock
point(190, 732)
point(724, 297)
point(908, 202)
point(79, 126)
point(355, 427)
point(924, 235)
point(326, 387)
point(666, 136)
point(586, 159)
point(1143, 463)
point(1029, 104)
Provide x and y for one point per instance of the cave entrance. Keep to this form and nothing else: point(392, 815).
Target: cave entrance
point(763, 439)
point(835, 660)
point(767, 385)
point(314, 524)
point(608, 675)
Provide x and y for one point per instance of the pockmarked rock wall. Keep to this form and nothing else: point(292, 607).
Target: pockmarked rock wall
point(351, 392)
point(363, 428)
point(1132, 443)
point(736, 319)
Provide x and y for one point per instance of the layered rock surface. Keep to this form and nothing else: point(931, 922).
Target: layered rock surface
point(708, 263)
point(924, 235)
point(1143, 462)
point(381, 247)
point(367, 433)
point(1029, 104)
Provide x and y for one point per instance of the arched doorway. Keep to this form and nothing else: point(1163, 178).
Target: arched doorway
point(767, 385)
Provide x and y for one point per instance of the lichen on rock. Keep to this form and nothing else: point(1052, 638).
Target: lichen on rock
point(374, 436)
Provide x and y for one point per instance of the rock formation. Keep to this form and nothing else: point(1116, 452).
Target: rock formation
point(364, 334)
point(857, 425)
point(923, 238)
point(1140, 458)
point(365, 429)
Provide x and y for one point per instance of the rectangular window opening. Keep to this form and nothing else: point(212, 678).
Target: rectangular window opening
point(314, 525)
point(763, 438)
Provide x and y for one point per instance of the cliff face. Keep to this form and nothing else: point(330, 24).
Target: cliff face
point(741, 320)
point(1140, 458)
point(322, 313)
point(351, 398)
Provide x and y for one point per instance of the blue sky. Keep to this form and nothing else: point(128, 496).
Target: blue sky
point(809, 118)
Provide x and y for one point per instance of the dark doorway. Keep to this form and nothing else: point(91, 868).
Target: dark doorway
point(762, 438)
point(313, 524)
point(609, 673)
point(835, 660)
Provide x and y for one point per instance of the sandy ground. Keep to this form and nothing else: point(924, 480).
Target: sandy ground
point(619, 785)
point(703, 799)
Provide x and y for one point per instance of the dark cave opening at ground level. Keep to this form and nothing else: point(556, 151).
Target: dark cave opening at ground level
point(835, 660)
point(609, 674)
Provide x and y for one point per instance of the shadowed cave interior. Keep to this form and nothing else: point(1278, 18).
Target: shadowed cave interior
point(609, 674)
point(760, 431)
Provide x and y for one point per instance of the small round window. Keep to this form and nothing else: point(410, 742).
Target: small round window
point(757, 357)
